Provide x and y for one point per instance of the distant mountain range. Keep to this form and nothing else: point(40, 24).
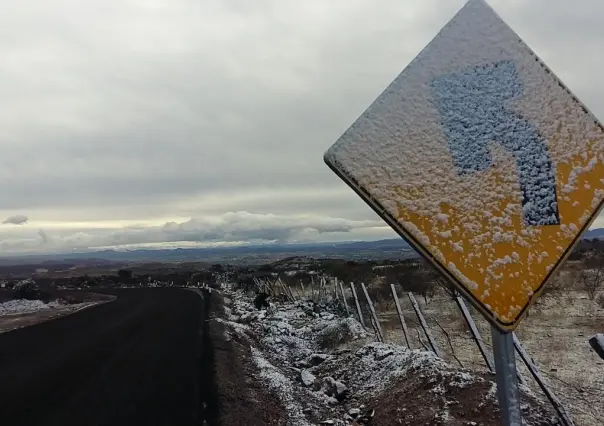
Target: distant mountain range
point(394, 248)
point(390, 248)
point(594, 233)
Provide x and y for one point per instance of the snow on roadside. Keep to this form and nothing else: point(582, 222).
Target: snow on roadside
point(327, 368)
point(23, 306)
point(281, 385)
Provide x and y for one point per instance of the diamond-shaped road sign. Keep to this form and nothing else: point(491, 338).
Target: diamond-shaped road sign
point(481, 159)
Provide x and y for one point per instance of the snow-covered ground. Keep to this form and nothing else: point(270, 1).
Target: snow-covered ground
point(23, 306)
point(327, 369)
point(555, 334)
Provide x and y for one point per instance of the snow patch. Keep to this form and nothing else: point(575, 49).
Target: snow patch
point(23, 306)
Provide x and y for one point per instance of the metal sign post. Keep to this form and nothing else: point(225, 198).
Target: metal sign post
point(506, 375)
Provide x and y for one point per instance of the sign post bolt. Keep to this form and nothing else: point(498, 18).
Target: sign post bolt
point(506, 376)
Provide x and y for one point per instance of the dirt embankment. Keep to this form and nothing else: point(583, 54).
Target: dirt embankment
point(238, 398)
point(291, 365)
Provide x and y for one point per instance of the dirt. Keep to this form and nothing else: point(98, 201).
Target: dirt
point(15, 321)
point(402, 386)
point(555, 334)
point(414, 401)
point(241, 399)
point(74, 301)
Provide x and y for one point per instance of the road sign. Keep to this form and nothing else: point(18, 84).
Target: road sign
point(483, 160)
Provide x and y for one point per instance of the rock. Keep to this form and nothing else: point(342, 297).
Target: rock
point(316, 359)
point(249, 317)
point(383, 355)
point(340, 388)
point(367, 416)
point(354, 412)
point(302, 364)
point(307, 378)
point(334, 388)
point(331, 400)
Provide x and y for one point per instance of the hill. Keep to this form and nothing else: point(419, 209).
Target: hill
point(383, 249)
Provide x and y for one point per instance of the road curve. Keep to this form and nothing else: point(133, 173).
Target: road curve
point(133, 361)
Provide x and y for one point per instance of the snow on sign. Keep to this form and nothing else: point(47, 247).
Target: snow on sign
point(482, 159)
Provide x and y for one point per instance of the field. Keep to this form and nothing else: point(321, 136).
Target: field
point(555, 334)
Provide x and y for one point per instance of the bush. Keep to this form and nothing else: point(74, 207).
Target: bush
point(593, 274)
point(419, 278)
point(124, 274)
point(600, 300)
point(350, 271)
point(381, 294)
point(29, 290)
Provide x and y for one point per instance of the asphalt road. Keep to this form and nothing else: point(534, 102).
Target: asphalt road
point(134, 361)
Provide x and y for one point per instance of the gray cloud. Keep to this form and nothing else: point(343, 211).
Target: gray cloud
point(18, 219)
point(44, 236)
point(130, 109)
point(234, 227)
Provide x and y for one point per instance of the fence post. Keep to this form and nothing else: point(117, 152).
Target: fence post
point(400, 315)
point(344, 299)
point(475, 333)
point(356, 302)
point(424, 325)
point(373, 314)
point(335, 288)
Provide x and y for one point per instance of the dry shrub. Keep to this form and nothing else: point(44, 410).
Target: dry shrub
point(334, 335)
point(600, 300)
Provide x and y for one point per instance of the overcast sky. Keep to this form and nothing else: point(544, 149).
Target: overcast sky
point(150, 121)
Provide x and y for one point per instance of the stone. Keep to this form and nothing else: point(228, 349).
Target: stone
point(334, 388)
point(316, 359)
point(354, 412)
point(307, 378)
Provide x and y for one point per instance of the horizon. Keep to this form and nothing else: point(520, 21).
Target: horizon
point(200, 246)
point(221, 246)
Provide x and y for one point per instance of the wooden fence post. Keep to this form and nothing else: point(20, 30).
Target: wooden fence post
point(475, 333)
point(344, 299)
point(335, 289)
point(356, 301)
point(373, 314)
point(424, 325)
point(399, 311)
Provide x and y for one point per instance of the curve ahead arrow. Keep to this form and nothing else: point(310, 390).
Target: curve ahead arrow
point(472, 108)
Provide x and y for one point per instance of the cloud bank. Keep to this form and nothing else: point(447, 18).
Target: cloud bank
point(232, 227)
point(18, 219)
